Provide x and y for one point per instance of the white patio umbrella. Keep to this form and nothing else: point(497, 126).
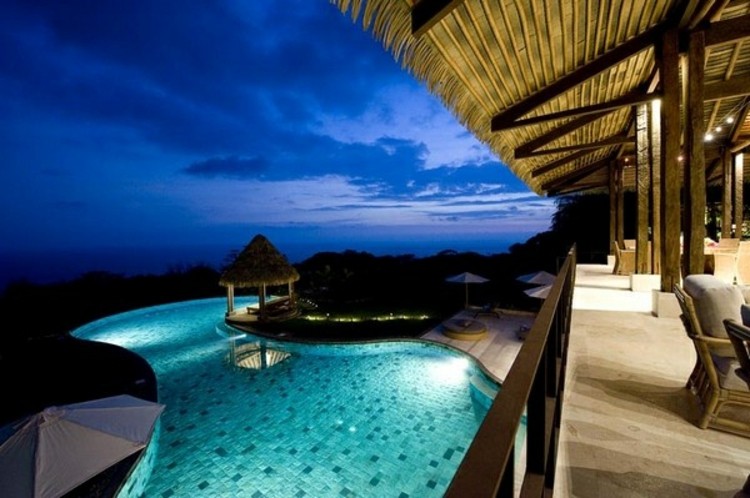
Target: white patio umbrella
point(467, 278)
point(64, 446)
point(538, 277)
point(540, 292)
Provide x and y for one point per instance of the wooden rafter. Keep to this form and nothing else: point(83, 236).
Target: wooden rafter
point(584, 73)
point(426, 13)
point(739, 122)
point(713, 168)
point(575, 190)
point(729, 31)
point(632, 98)
point(558, 132)
point(735, 87)
point(560, 162)
point(570, 178)
point(740, 146)
point(618, 139)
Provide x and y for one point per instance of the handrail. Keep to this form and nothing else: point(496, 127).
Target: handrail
point(534, 385)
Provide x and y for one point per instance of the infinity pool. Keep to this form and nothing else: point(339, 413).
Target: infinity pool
point(252, 417)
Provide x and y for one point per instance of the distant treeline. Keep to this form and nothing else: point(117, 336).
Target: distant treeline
point(346, 279)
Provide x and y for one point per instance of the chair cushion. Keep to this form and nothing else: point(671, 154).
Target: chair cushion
point(727, 370)
point(745, 290)
point(714, 301)
point(745, 314)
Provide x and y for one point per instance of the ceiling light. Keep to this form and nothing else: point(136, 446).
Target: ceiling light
point(709, 137)
point(730, 119)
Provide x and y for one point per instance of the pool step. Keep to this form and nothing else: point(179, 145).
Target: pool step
point(482, 390)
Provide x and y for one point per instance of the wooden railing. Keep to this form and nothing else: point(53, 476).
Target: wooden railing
point(534, 387)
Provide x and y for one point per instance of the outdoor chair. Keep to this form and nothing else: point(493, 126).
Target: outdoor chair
point(624, 260)
point(743, 263)
point(739, 335)
point(488, 309)
point(706, 301)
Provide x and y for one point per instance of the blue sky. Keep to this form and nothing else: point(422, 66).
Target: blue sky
point(131, 124)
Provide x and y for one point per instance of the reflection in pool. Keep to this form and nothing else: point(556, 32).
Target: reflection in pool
point(378, 419)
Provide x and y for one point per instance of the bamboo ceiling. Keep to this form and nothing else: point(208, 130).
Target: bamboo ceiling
point(487, 59)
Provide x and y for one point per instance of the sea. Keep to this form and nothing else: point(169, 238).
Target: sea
point(61, 265)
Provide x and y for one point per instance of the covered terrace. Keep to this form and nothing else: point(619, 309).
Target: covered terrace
point(588, 96)
point(583, 96)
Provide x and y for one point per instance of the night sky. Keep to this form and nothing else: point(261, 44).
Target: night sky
point(170, 123)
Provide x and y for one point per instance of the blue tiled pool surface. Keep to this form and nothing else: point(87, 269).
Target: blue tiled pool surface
point(379, 419)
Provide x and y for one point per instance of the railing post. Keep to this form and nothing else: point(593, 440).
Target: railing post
point(534, 385)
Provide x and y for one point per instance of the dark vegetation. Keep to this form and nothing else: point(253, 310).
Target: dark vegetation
point(347, 283)
point(42, 365)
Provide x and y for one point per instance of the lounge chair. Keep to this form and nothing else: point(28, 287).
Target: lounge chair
point(488, 309)
point(739, 335)
point(706, 301)
point(624, 260)
point(743, 263)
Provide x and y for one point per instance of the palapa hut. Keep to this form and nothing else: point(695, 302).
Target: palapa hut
point(260, 264)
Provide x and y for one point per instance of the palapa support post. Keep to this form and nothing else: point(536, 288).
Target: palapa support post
point(668, 63)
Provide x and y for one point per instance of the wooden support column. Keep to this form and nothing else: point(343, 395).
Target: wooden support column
point(694, 225)
point(621, 204)
point(668, 62)
point(654, 155)
point(230, 299)
point(642, 189)
point(612, 170)
point(738, 195)
point(726, 194)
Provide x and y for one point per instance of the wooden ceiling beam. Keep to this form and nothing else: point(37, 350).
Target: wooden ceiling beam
point(735, 87)
point(584, 73)
point(558, 132)
point(426, 13)
point(575, 190)
point(713, 168)
point(729, 31)
point(739, 146)
point(739, 122)
point(559, 162)
point(618, 139)
point(632, 98)
point(574, 176)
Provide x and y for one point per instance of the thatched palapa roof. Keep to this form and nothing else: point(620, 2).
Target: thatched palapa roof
point(550, 85)
point(260, 263)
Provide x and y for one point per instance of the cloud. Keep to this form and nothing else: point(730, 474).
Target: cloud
point(171, 116)
point(231, 167)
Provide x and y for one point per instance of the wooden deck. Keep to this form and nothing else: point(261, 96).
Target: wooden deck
point(628, 424)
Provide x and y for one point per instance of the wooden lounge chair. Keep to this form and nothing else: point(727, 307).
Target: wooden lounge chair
point(713, 379)
point(739, 335)
point(624, 260)
point(743, 263)
point(488, 310)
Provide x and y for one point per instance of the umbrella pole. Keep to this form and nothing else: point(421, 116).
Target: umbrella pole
point(466, 300)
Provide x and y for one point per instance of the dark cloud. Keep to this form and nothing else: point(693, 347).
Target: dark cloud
point(231, 167)
point(113, 104)
point(196, 79)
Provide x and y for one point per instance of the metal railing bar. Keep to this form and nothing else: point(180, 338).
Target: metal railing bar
point(487, 468)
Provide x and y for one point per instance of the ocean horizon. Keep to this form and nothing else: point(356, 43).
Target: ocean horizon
point(61, 265)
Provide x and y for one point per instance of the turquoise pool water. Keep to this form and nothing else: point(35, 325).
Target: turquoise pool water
point(379, 419)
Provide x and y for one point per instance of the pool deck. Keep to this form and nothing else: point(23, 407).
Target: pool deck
point(497, 350)
point(628, 423)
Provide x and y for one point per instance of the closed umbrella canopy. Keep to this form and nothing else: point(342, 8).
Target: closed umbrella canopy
point(538, 278)
point(467, 278)
point(64, 446)
point(540, 292)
